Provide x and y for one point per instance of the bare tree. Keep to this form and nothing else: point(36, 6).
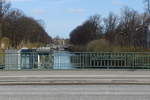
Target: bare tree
point(4, 8)
point(86, 32)
point(147, 3)
point(128, 23)
point(110, 25)
point(110, 22)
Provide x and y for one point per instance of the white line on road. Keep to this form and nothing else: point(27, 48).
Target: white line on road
point(88, 76)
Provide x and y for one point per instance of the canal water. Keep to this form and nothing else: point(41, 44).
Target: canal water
point(62, 60)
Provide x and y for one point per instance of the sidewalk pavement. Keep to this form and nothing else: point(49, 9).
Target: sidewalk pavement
point(70, 77)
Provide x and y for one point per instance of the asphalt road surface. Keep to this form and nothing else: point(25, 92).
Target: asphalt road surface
point(63, 77)
point(75, 92)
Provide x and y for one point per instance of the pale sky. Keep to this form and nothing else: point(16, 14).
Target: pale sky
point(62, 16)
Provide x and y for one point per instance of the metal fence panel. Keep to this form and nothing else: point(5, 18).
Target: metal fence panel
point(74, 60)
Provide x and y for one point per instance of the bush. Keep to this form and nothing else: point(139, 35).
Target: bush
point(75, 48)
point(34, 45)
point(128, 49)
point(5, 43)
point(100, 45)
point(29, 45)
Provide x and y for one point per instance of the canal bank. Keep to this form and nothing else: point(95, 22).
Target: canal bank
point(74, 77)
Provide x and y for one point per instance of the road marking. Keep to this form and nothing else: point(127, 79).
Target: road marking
point(88, 76)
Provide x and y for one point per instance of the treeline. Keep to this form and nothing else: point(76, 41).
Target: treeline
point(17, 29)
point(125, 32)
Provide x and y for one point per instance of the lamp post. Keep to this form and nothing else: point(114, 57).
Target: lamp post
point(148, 36)
point(1, 8)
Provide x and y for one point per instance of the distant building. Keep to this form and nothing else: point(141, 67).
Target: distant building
point(58, 41)
point(58, 44)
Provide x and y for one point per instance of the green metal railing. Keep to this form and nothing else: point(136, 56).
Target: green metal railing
point(110, 60)
point(74, 60)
